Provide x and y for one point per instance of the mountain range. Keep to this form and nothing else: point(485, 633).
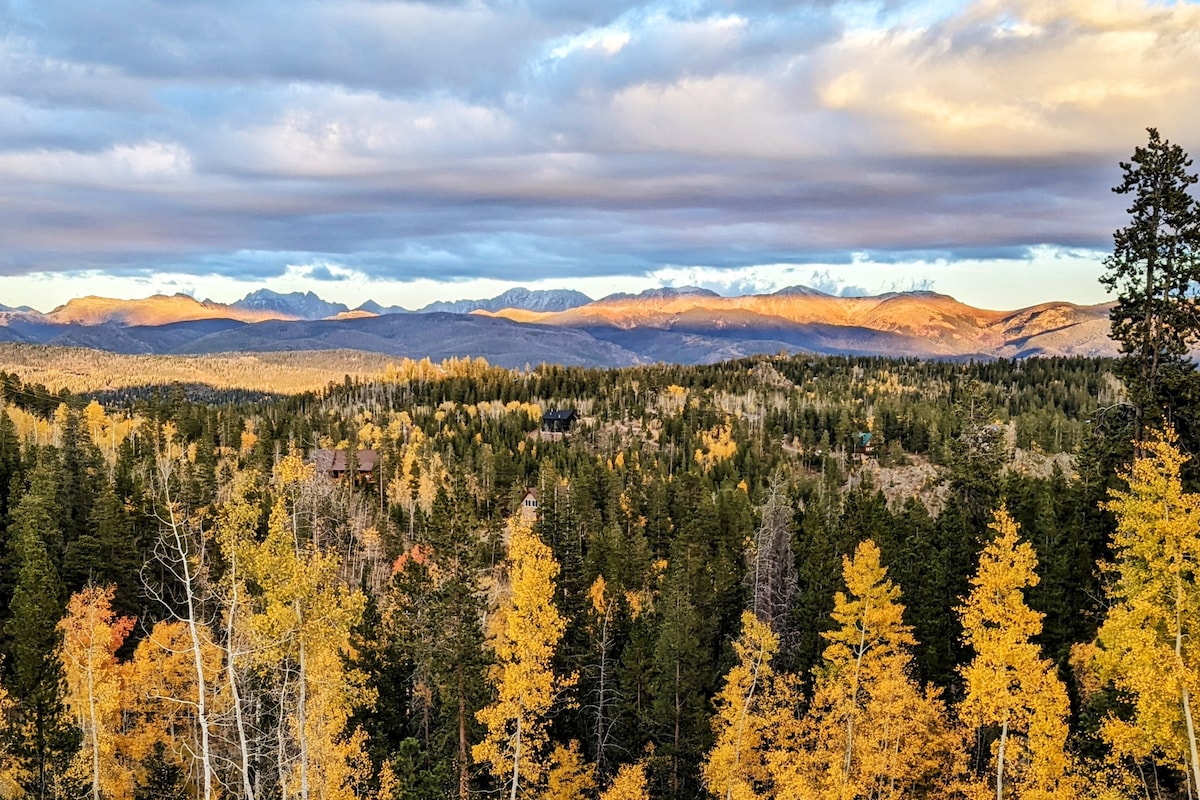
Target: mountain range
point(679, 325)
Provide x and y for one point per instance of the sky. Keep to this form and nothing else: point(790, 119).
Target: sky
point(413, 151)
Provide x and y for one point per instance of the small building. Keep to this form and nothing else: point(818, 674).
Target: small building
point(529, 504)
point(559, 420)
point(333, 462)
point(863, 444)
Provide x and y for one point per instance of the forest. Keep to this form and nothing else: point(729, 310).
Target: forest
point(722, 590)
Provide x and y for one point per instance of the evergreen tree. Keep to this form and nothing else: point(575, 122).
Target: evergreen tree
point(43, 737)
point(1155, 268)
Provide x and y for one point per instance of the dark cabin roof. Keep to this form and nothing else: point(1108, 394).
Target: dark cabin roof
point(559, 415)
point(335, 460)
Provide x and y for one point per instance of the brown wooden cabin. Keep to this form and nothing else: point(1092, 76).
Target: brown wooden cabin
point(333, 462)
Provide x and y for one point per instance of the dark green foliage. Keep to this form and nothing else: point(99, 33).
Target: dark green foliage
point(1155, 268)
point(163, 780)
point(42, 734)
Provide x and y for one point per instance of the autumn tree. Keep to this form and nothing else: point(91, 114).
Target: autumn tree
point(1155, 268)
point(1148, 646)
point(870, 731)
point(302, 625)
point(529, 629)
point(91, 635)
point(755, 714)
point(1008, 683)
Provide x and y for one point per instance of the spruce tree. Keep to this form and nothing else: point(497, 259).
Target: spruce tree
point(1154, 268)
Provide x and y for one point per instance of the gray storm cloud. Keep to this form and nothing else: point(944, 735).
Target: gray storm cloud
point(512, 139)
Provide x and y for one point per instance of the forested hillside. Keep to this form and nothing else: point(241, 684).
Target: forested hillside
point(727, 586)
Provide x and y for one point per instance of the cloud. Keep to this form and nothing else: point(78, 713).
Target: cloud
point(525, 140)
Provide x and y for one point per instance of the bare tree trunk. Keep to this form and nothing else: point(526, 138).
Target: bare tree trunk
point(180, 552)
point(235, 694)
point(516, 776)
point(1000, 761)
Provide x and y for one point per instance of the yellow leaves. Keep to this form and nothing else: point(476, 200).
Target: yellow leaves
point(629, 784)
point(754, 717)
point(90, 639)
point(1148, 647)
point(871, 731)
point(292, 470)
point(530, 628)
point(1008, 684)
point(596, 594)
point(569, 778)
point(716, 445)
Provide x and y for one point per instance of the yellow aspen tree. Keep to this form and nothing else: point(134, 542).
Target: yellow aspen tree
point(1148, 646)
point(90, 639)
point(161, 696)
point(569, 777)
point(1008, 684)
point(871, 731)
point(530, 628)
point(755, 712)
point(629, 784)
point(303, 630)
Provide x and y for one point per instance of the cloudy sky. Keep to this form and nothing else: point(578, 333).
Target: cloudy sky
point(411, 151)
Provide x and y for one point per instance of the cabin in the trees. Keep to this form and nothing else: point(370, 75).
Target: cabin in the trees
point(334, 462)
point(864, 444)
point(559, 420)
point(529, 505)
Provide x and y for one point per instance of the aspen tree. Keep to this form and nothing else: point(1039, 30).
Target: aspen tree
point(629, 784)
point(303, 627)
point(1008, 683)
point(530, 628)
point(1149, 642)
point(871, 731)
point(755, 714)
point(90, 639)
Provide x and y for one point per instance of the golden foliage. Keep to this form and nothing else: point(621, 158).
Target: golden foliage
point(1008, 684)
point(1149, 643)
point(530, 628)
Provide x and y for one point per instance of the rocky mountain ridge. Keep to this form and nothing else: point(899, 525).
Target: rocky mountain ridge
point(681, 325)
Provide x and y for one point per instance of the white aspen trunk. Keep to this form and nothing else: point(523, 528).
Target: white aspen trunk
point(235, 694)
point(91, 685)
point(1187, 706)
point(301, 712)
point(1000, 761)
point(516, 776)
point(858, 657)
point(193, 627)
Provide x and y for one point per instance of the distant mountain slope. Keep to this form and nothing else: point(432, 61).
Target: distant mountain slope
point(157, 310)
point(436, 336)
point(675, 325)
point(293, 305)
point(518, 298)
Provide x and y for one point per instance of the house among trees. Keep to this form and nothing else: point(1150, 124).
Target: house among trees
point(333, 462)
point(864, 444)
point(559, 420)
point(529, 505)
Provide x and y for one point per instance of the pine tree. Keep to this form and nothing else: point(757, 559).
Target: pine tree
point(44, 737)
point(1154, 268)
point(1008, 683)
